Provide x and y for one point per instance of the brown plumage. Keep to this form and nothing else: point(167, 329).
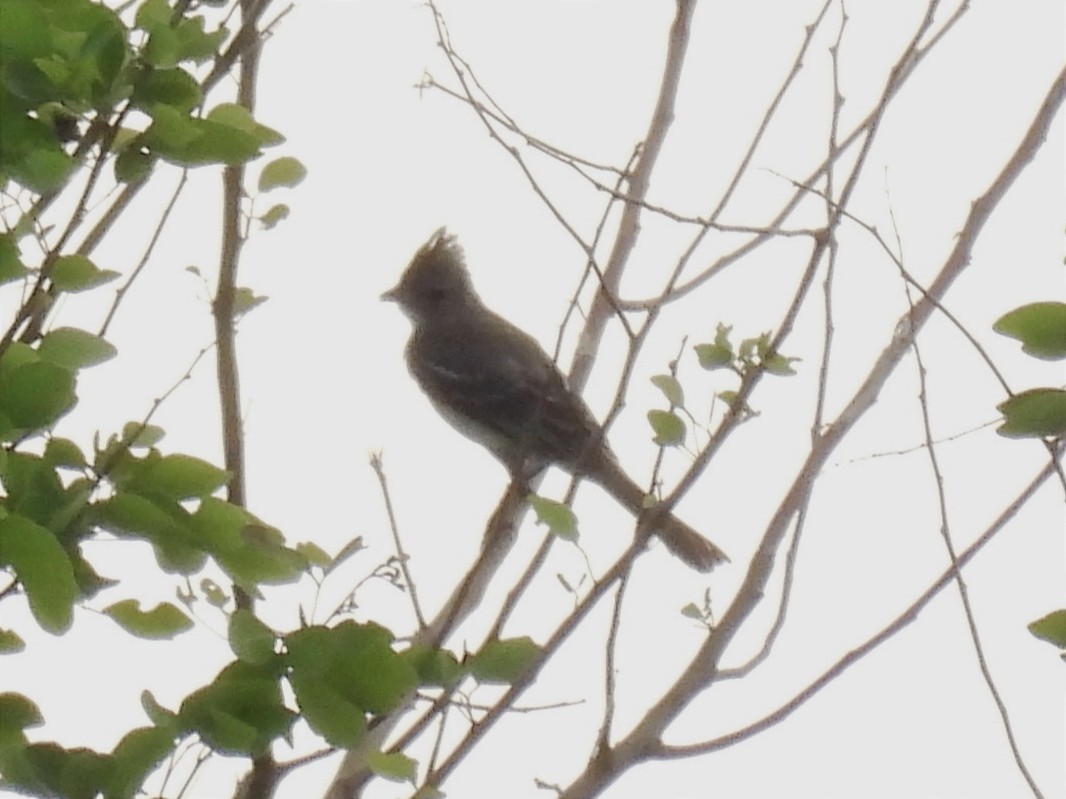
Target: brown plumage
point(495, 384)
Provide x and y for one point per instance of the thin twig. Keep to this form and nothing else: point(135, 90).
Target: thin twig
point(591, 265)
point(913, 282)
point(605, 304)
point(460, 69)
point(788, 578)
point(904, 618)
point(945, 532)
point(34, 310)
point(121, 292)
point(901, 73)
point(379, 469)
point(603, 739)
point(645, 737)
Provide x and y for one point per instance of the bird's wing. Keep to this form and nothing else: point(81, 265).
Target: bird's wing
point(497, 386)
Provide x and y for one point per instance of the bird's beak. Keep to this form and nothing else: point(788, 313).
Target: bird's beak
point(392, 295)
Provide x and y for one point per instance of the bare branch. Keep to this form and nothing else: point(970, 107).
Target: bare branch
point(945, 532)
point(605, 304)
point(379, 469)
point(121, 292)
point(903, 619)
point(644, 739)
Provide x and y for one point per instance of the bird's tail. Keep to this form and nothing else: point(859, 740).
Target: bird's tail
point(679, 538)
point(687, 544)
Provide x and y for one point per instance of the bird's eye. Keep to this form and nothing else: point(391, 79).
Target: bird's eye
point(436, 293)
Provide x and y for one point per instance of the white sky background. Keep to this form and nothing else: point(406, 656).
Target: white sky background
point(323, 382)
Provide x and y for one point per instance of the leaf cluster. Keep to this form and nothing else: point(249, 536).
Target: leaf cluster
point(750, 356)
point(83, 87)
point(342, 678)
point(1036, 412)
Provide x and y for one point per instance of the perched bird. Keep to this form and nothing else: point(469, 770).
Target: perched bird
point(495, 384)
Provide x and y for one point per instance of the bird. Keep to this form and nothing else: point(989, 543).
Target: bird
point(494, 383)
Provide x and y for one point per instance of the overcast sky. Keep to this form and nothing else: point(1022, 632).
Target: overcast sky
point(324, 384)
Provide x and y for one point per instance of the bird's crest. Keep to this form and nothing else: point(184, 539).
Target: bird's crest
point(444, 244)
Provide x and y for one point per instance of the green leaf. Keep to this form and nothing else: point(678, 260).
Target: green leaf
point(43, 568)
point(174, 40)
point(750, 346)
point(668, 426)
point(162, 621)
point(1037, 413)
point(26, 32)
point(133, 164)
point(503, 661)
point(718, 354)
point(16, 714)
point(171, 131)
point(74, 349)
point(64, 453)
point(18, 354)
point(138, 434)
point(274, 215)
point(177, 477)
point(217, 143)
point(779, 365)
point(163, 48)
point(339, 674)
point(1051, 628)
point(136, 756)
point(353, 547)
point(437, 667)
point(228, 135)
point(152, 14)
point(692, 611)
point(732, 398)
point(250, 639)
point(56, 69)
point(328, 711)
point(51, 770)
point(671, 388)
point(10, 643)
point(75, 273)
point(394, 766)
point(11, 266)
point(712, 356)
point(161, 717)
point(248, 550)
point(244, 300)
point(240, 118)
point(101, 57)
point(213, 593)
point(286, 171)
point(41, 167)
point(315, 555)
point(35, 395)
point(89, 582)
point(240, 712)
point(1040, 326)
point(559, 518)
point(165, 525)
point(172, 87)
point(357, 659)
point(34, 488)
point(194, 43)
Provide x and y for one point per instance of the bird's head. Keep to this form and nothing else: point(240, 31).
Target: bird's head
point(436, 282)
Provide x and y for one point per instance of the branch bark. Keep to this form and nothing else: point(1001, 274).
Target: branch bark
point(644, 740)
